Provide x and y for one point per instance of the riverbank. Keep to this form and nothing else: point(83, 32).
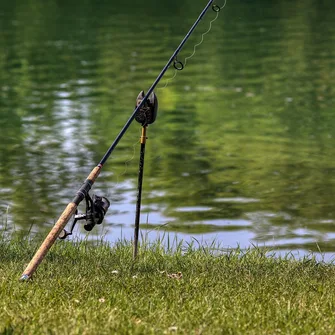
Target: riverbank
point(85, 288)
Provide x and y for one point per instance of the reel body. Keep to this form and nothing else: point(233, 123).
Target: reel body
point(96, 209)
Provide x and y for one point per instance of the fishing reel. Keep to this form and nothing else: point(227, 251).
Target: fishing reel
point(148, 112)
point(96, 210)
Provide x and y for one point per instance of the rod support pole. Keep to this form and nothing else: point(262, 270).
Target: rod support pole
point(143, 140)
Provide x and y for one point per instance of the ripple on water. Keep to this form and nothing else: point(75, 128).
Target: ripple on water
point(193, 209)
point(239, 200)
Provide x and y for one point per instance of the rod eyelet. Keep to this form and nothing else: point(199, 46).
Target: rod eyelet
point(178, 65)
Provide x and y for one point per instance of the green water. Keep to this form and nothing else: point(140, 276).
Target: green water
point(241, 151)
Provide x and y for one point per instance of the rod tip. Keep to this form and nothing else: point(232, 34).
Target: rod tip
point(24, 278)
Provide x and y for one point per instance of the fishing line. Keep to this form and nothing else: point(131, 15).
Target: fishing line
point(119, 175)
point(126, 164)
point(168, 80)
point(202, 39)
point(178, 66)
point(224, 5)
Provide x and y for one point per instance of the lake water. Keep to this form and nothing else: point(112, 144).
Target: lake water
point(242, 151)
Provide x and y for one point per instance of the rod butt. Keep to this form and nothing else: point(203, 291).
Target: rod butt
point(24, 278)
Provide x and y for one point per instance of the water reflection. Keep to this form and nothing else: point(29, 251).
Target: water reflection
point(242, 147)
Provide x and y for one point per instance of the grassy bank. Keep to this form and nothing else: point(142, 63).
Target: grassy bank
point(86, 289)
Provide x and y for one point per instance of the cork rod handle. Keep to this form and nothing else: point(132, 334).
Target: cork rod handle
point(60, 225)
point(49, 241)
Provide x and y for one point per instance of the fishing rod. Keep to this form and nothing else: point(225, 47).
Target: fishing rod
point(97, 207)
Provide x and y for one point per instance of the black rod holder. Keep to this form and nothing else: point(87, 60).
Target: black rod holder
point(139, 191)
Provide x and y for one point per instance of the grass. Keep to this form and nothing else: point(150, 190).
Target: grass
point(85, 288)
